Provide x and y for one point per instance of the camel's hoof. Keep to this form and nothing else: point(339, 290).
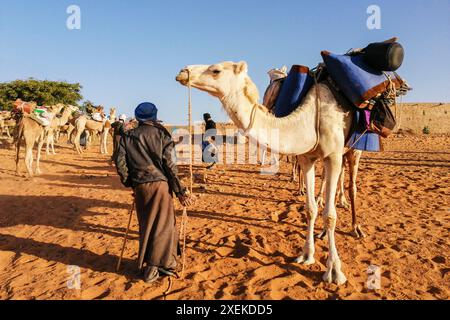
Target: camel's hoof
point(338, 279)
point(300, 193)
point(322, 235)
point(358, 233)
point(305, 260)
point(343, 205)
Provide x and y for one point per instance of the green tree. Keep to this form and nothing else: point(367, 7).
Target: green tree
point(43, 92)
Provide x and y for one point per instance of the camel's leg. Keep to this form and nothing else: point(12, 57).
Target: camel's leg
point(53, 144)
point(104, 141)
point(38, 153)
point(76, 141)
point(47, 143)
point(294, 163)
point(88, 138)
point(301, 180)
point(333, 274)
point(343, 203)
point(353, 161)
point(264, 155)
point(7, 133)
point(307, 256)
point(69, 133)
point(29, 156)
point(18, 140)
point(320, 201)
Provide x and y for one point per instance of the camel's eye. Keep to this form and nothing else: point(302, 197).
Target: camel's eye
point(216, 72)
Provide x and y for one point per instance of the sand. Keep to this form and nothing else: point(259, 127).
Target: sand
point(244, 231)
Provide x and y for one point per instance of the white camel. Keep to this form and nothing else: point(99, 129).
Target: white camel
point(92, 127)
point(52, 130)
point(230, 83)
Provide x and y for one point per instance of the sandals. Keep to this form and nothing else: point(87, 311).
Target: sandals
point(151, 274)
point(168, 272)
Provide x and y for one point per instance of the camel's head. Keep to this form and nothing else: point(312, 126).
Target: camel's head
point(72, 108)
point(220, 79)
point(55, 109)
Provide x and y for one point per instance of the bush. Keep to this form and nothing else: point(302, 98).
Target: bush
point(426, 130)
point(43, 92)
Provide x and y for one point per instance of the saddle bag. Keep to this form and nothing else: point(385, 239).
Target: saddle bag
point(294, 89)
point(382, 121)
point(384, 56)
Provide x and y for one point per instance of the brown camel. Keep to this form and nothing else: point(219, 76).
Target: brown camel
point(32, 132)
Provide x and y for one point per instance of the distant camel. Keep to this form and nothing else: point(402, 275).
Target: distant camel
point(6, 122)
point(92, 127)
point(33, 132)
point(55, 124)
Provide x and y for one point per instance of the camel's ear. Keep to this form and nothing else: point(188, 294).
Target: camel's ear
point(240, 67)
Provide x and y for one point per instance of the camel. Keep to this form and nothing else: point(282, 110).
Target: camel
point(66, 129)
point(6, 122)
point(54, 126)
point(301, 135)
point(32, 132)
point(93, 127)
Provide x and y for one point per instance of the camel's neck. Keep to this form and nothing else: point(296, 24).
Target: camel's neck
point(65, 117)
point(294, 134)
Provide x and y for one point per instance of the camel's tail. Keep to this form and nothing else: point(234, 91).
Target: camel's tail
point(18, 143)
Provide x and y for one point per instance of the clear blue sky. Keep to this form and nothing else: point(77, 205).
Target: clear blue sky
point(130, 51)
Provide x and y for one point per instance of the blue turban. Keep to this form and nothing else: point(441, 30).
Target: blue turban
point(146, 111)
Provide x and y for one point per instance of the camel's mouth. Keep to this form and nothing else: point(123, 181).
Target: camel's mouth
point(183, 77)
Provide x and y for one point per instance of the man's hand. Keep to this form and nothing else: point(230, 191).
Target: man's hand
point(187, 200)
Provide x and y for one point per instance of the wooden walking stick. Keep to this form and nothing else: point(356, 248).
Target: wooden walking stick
point(126, 235)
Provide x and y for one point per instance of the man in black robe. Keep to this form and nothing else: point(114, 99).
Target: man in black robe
point(209, 149)
point(145, 162)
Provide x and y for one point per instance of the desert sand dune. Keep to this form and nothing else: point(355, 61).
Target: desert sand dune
point(244, 231)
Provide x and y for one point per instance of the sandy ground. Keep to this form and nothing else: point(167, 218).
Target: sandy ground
point(76, 214)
